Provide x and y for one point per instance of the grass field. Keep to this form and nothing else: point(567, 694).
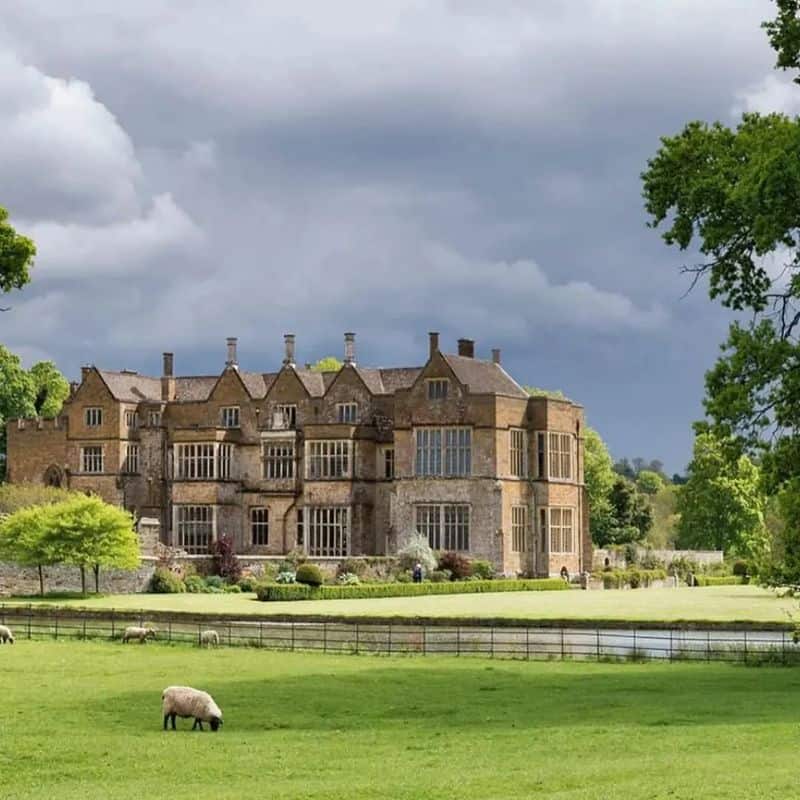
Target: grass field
point(82, 720)
point(714, 603)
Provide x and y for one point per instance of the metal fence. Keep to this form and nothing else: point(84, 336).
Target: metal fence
point(543, 643)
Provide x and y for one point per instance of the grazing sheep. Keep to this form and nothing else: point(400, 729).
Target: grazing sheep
point(6, 635)
point(134, 632)
point(183, 701)
point(209, 638)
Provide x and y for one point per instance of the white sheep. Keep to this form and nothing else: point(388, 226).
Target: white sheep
point(6, 635)
point(135, 632)
point(209, 638)
point(183, 701)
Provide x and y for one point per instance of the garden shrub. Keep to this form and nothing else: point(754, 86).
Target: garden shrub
point(650, 561)
point(631, 554)
point(224, 562)
point(370, 590)
point(296, 557)
point(460, 566)
point(635, 578)
point(195, 584)
point(403, 577)
point(439, 576)
point(416, 550)
point(348, 579)
point(285, 576)
point(483, 570)
point(248, 583)
point(165, 582)
point(719, 580)
point(309, 574)
point(231, 588)
point(214, 582)
point(351, 566)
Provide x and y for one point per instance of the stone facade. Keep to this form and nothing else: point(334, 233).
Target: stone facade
point(339, 463)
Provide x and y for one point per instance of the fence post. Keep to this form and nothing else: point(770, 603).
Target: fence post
point(390, 638)
point(229, 634)
point(260, 634)
point(199, 636)
point(84, 626)
point(356, 638)
point(112, 623)
point(528, 643)
point(562, 643)
point(324, 637)
point(56, 618)
point(30, 614)
point(491, 641)
point(745, 645)
point(708, 645)
point(458, 641)
point(292, 624)
point(169, 630)
point(424, 639)
point(670, 645)
point(597, 632)
point(783, 646)
point(634, 642)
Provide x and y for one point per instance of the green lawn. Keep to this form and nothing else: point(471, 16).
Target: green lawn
point(715, 603)
point(82, 720)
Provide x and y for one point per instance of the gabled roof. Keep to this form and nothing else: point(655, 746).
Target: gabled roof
point(130, 386)
point(256, 383)
point(313, 381)
point(483, 377)
point(395, 378)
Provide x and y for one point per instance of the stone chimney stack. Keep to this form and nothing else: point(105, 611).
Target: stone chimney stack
point(167, 378)
point(466, 348)
point(288, 343)
point(496, 355)
point(85, 370)
point(433, 338)
point(232, 361)
point(350, 349)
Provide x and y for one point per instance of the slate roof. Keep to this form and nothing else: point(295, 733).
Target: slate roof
point(484, 377)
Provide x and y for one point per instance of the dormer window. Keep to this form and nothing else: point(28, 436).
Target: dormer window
point(347, 413)
point(230, 417)
point(437, 389)
point(284, 417)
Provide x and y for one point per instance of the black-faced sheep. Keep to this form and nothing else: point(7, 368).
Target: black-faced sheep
point(209, 639)
point(135, 632)
point(6, 635)
point(183, 701)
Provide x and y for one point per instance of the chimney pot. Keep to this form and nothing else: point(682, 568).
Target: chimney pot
point(496, 355)
point(466, 348)
point(231, 360)
point(433, 338)
point(288, 342)
point(85, 370)
point(350, 348)
point(168, 360)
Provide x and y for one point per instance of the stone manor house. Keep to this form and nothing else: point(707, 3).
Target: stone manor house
point(339, 463)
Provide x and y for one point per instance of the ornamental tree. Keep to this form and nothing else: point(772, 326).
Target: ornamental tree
point(16, 256)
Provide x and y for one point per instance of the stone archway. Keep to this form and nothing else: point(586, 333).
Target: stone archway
point(54, 477)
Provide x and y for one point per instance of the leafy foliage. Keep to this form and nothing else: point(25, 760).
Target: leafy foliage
point(721, 505)
point(165, 581)
point(458, 565)
point(631, 516)
point(327, 364)
point(599, 477)
point(649, 482)
point(552, 394)
point(16, 256)
point(14, 496)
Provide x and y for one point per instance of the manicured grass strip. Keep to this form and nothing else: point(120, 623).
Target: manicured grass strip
point(82, 720)
point(727, 580)
point(297, 591)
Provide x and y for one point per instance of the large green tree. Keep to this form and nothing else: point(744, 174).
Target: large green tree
point(599, 476)
point(327, 364)
point(16, 256)
point(721, 505)
point(733, 196)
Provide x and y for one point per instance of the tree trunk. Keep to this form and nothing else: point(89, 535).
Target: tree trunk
point(41, 579)
point(96, 578)
point(83, 579)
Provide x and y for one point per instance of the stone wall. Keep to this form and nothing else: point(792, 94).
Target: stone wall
point(616, 558)
point(16, 580)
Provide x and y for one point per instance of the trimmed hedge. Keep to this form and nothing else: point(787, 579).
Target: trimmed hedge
point(723, 580)
point(270, 591)
point(617, 578)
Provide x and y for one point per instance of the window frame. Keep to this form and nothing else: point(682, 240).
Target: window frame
point(101, 455)
point(321, 466)
point(154, 419)
point(289, 412)
point(259, 528)
point(282, 464)
point(347, 413)
point(91, 413)
point(556, 457)
point(440, 451)
point(518, 452)
point(131, 419)
point(519, 529)
point(230, 417)
point(388, 463)
point(437, 389)
point(130, 465)
point(327, 531)
point(443, 528)
point(558, 530)
point(193, 530)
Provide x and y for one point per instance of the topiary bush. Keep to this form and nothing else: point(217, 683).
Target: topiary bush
point(165, 582)
point(741, 567)
point(214, 582)
point(248, 583)
point(416, 549)
point(459, 565)
point(231, 588)
point(309, 574)
point(483, 570)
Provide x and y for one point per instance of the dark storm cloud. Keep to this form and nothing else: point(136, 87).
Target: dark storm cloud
point(190, 173)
